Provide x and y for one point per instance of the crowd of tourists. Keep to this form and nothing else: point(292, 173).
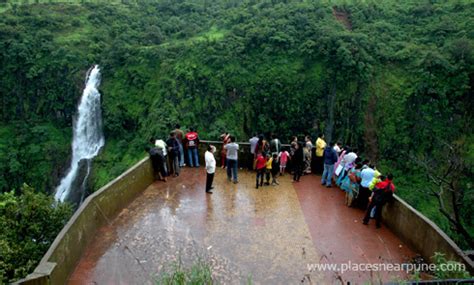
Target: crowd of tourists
point(364, 185)
point(167, 156)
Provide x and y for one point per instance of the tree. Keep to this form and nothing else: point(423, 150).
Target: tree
point(450, 176)
point(29, 223)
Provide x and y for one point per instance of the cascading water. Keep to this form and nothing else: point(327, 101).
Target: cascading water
point(88, 139)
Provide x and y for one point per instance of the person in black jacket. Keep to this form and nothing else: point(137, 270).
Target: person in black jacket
point(174, 153)
point(298, 162)
point(383, 193)
point(330, 158)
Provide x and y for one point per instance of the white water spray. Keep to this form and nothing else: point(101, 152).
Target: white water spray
point(88, 138)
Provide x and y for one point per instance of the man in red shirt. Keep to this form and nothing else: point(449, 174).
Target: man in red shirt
point(382, 193)
point(260, 162)
point(192, 142)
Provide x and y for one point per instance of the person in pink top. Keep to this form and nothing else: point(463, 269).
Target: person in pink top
point(283, 157)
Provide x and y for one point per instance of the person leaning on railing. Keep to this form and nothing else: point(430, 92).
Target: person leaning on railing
point(383, 193)
point(158, 162)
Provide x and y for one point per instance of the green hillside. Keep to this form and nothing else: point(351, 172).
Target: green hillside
point(393, 78)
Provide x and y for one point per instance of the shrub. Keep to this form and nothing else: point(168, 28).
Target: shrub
point(29, 223)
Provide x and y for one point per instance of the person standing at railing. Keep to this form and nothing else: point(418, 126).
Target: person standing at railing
point(262, 146)
point(180, 136)
point(275, 169)
point(210, 167)
point(173, 153)
point(309, 155)
point(293, 147)
point(366, 176)
point(320, 145)
point(192, 143)
point(338, 148)
point(283, 158)
point(347, 162)
point(268, 168)
point(275, 144)
point(298, 162)
point(330, 158)
point(383, 193)
point(225, 137)
point(339, 166)
point(253, 145)
point(260, 162)
point(232, 150)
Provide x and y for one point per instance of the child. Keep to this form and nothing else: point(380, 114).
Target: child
point(275, 169)
point(260, 162)
point(268, 169)
point(283, 157)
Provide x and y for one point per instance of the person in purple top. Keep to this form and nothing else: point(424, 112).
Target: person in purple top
point(330, 158)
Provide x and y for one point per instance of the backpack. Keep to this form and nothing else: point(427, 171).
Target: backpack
point(382, 195)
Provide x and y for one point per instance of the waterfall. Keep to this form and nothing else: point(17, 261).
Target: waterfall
point(87, 141)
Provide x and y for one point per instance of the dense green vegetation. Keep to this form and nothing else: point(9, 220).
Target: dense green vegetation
point(393, 78)
point(29, 223)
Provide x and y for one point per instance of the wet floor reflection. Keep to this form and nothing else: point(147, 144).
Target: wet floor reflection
point(239, 230)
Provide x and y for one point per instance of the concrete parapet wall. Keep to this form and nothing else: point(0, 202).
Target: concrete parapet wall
point(97, 210)
point(420, 233)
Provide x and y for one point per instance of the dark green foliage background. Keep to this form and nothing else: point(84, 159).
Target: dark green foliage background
point(29, 224)
point(401, 72)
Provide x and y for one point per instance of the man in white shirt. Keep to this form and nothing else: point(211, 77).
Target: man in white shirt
point(162, 145)
point(232, 157)
point(253, 144)
point(210, 167)
point(366, 176)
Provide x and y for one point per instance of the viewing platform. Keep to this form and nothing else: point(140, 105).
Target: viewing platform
point(134, 228)
point(269, 235)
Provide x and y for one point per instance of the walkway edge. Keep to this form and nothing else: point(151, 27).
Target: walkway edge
point(422, 234)
point(97, 210)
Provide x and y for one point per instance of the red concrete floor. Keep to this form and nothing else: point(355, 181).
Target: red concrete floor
point(270, 234)
point(339, 235)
